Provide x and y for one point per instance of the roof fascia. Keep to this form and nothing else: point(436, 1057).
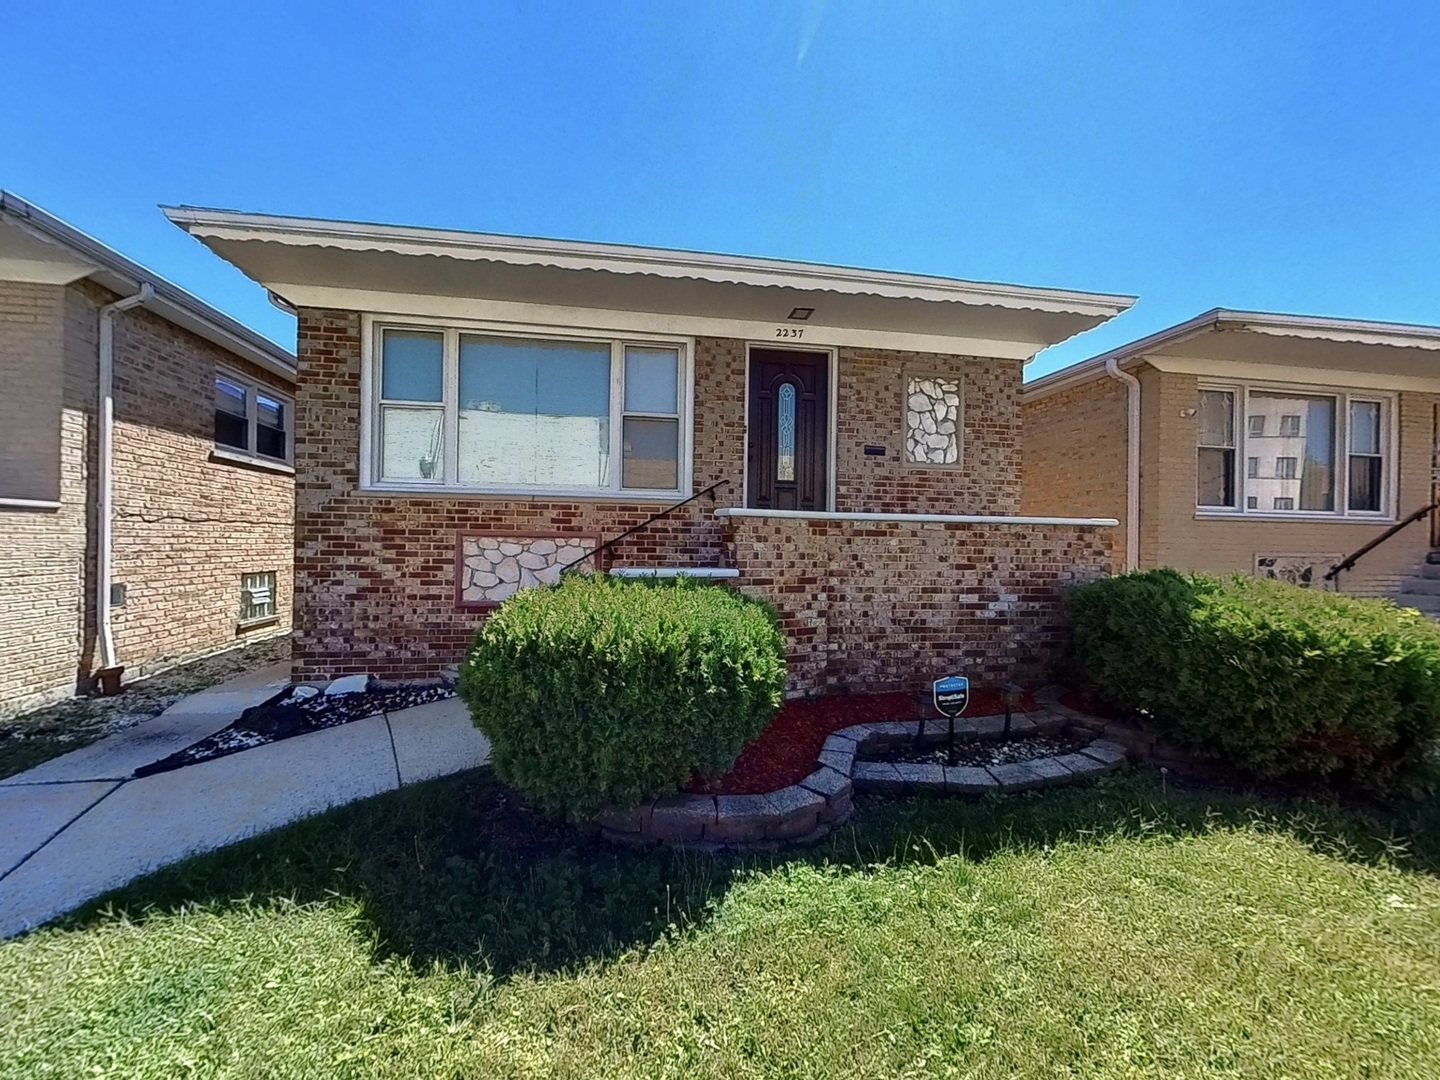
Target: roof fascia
point(625, 259)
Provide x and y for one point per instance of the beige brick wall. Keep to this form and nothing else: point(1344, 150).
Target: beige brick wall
point(1073, 452)
point(43, 552)
point(1173, 535)
point(185, 527)
point(172, 498)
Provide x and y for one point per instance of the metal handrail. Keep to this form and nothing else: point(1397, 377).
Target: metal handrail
point(648, 521)
point(1348, 563)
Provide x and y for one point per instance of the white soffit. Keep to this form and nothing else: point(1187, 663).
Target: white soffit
point(1281, 348)
point(26, 257)
point(398, 270)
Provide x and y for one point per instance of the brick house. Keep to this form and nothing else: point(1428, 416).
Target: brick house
point(474, 413)
point(1258, 443)
point(164, 533)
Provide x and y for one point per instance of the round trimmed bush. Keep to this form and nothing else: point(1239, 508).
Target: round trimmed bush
point(598, 692)
point(1274, 678)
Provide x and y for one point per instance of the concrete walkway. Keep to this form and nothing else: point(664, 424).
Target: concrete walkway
point(79, 825)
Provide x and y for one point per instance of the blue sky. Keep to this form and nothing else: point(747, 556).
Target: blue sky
point(1281, 156)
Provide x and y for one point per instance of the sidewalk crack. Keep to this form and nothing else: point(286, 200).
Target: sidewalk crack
point(394, 755)
point(44, 843)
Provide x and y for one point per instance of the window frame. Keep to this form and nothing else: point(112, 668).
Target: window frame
point(250, 454)
point(1389, 443)
point(446, 481)
point(273, 615)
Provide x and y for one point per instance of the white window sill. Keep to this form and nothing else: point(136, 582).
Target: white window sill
point(239, 457)
point(29, 504)
point(528, 494)
point(1297, 517)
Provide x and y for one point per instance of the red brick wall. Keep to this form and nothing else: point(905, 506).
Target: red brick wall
point(871, 412)
point(375, 572)
point(892, 605)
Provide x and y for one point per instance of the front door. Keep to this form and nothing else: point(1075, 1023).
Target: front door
point(788, 453)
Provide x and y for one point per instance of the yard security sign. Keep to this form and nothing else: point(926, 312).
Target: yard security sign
point(952, 694)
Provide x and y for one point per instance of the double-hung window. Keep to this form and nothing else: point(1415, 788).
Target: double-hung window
point(251, 419)
point(1306, 452)
point(1215, 452)
point(491, 411)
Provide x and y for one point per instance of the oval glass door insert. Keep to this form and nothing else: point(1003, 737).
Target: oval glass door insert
point(785, 433)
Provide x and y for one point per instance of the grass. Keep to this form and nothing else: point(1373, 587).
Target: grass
point(1114, 931)
point(35, 737)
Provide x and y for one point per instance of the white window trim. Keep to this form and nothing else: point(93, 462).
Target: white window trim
point(224, 452)
point(1390, 481)
point(372, 326)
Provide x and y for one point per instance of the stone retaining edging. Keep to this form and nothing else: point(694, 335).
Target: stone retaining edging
point(804, 813)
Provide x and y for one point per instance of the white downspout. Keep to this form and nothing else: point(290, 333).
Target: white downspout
point(105, 416)
point(1132, 461)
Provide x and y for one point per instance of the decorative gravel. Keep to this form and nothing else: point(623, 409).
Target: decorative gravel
point(785, 751)
point(972, 752)
point(297, 711)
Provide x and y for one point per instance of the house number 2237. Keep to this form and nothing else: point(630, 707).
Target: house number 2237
point(789, 331)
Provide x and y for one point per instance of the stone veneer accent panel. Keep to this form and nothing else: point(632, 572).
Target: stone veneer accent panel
point(932, 419)
point(495, 567)
point(890, 605)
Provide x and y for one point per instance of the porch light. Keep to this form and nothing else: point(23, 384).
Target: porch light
point(800, 314)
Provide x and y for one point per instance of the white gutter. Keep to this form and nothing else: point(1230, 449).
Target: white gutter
point(105, 415)
point(1132, 460)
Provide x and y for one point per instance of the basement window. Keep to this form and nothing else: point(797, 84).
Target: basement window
point(251, 419)
point(257, 598)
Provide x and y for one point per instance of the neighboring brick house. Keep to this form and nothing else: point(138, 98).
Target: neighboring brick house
point(476, 412)
point(201, 489)
point(1269, 444)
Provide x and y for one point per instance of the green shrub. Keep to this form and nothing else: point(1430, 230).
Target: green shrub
point(1279, 680)
point(597, 691)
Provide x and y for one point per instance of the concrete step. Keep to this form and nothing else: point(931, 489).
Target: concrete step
point(709, 572)
point(1427, 586)
point(1430, 570)
point(1425, 602)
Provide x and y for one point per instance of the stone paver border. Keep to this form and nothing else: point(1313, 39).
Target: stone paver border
point(804, 813)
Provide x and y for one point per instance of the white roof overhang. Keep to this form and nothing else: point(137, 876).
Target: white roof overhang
point(1262, 346)
point(39, 248)
point(401, 270)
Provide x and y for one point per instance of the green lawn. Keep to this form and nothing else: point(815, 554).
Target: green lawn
point(1115, 931)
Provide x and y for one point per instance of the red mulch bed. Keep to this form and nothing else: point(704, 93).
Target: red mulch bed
point(785, 752)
